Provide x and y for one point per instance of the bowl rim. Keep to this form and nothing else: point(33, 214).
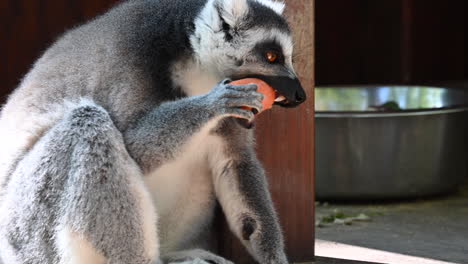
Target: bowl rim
point(456, 108)
point(359, 114)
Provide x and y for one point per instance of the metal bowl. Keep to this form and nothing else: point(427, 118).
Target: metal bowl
point(414, 148)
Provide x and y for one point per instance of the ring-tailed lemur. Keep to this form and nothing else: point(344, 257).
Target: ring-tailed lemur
point(115, 148)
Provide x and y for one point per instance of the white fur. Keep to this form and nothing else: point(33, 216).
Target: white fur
point(208, 25)
point(183, 193)
point(214, 54)
point(217, 60)
point(227, 191)
point(75, 249)
point(233, 10)
point(21, 129)
point(193, 78)
point(147, 211)
point(278, 7)
point(7, 252)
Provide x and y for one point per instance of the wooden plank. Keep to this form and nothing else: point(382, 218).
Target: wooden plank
point(286, 147)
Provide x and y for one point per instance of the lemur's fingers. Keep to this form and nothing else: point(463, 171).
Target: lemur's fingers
point(243, 87)
point(266, 251)
point(252, 94)
point(225, 85)
point(240, 90)
point(240, 102)
point(230, 99)
point(250, 99)
point(240, 113)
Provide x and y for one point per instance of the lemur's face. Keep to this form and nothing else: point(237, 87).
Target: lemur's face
point(248, 38)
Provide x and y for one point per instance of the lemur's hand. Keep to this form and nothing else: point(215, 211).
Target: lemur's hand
point(263, 238)
point(226, 99)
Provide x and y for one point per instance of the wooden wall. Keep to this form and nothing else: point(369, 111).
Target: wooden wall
point(390, 41)
point(29, 27)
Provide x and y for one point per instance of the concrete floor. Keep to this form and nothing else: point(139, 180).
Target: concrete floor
point(423, 231)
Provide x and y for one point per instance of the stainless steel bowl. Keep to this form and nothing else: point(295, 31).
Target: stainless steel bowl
point(363, 152)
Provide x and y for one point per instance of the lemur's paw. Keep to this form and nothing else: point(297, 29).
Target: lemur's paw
point(281, 259)
point(236, 100)
point(265, 243)
point(270, 256)
point(197, 256)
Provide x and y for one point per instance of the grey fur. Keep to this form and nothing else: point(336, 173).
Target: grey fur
point(163, 124)
point(76, 176)
point(127, 101)
point(265, 240)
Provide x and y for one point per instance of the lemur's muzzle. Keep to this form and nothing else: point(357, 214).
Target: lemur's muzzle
point(288, 87)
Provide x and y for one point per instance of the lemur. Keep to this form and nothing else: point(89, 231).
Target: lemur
point(126, 134)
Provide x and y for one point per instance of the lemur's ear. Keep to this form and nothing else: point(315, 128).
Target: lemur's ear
point(277, 6)
point(231, 11)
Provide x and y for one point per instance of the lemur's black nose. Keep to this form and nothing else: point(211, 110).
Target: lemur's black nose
point(289, 87)
point(300, 96)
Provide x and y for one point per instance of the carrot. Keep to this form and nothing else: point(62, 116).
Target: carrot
point(264, 88)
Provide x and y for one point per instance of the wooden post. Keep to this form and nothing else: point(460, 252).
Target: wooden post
point(286, 147)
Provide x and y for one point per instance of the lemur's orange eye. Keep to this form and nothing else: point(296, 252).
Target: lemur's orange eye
point(271, 56)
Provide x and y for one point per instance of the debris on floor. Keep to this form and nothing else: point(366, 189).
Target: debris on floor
point(339, 217)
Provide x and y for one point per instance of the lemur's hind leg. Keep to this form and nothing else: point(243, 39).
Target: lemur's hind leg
point(78, 197)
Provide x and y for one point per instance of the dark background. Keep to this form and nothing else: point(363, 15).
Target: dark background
point(29, 27)
point(357, 41)
point(390, 41)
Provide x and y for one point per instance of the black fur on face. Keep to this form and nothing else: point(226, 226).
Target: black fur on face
point(258, 15)
point(288, 87)
point(262, 16)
